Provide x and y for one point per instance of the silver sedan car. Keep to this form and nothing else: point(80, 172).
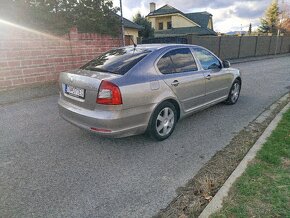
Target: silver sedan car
point(146, 88)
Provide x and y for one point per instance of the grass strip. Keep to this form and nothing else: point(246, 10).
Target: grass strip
point(264, 189)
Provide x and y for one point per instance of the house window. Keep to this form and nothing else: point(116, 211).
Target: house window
point(169, 25)
point(209, 25)
point(160, 26)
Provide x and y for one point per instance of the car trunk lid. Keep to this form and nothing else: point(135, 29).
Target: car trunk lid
point(80, 87)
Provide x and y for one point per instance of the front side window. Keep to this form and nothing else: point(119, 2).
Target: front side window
point(169, 25)
point(207, 59)
point(117, 61)
point(177, 61)
point(160, 26)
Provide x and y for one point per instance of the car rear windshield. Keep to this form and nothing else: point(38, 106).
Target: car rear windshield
point(117, 61)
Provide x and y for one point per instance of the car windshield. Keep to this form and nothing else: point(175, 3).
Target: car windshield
point(117, 61)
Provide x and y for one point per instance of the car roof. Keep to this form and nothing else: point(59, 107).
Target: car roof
point(153, 47)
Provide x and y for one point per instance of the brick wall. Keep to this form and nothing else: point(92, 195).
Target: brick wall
point(28, 57)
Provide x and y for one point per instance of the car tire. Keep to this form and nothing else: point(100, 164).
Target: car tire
point(163, 121)
point(234, 93)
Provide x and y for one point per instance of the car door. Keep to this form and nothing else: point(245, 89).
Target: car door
point(218, 79)
point(180, 72)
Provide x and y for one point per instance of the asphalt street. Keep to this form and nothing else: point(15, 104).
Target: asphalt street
point(49, 168)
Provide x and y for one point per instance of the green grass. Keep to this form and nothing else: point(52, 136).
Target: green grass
point(264, 188)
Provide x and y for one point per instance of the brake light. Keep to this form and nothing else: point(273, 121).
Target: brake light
point(109, 93)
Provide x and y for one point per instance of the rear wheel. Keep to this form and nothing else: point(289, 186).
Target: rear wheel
point(234, 93)
point(163, 121)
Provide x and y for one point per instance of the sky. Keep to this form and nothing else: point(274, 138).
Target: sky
point(228, 15)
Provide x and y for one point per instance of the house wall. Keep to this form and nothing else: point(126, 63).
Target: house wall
point(32, 57)
point(163, 20)
point(179, 21)
point(156, 20)
point(152, 20)
point(176, 19)
point(131, 32)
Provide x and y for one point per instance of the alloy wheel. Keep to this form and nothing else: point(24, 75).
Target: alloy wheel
point(235, 92)
point(165, 121)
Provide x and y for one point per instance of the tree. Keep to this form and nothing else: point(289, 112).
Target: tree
point(269, 24)
point(285, 19)
point(97, 15)
point(250, 29)
point(58, 16)
point(147, 31)
point(285, 25)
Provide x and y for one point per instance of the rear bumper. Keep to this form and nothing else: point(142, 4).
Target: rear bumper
point(114, 124)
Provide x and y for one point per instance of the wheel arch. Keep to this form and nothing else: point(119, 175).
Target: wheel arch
point(239, 79)
point(175, 104)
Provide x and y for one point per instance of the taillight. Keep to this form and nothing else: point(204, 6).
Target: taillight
point(109, 93)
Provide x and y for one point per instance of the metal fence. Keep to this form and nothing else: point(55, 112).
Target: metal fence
point(233, 47)
point(177, 40)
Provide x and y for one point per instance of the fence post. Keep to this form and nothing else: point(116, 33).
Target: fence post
point(282, 39)
point(239, 51)
point(277, 40)
point(189, 39)
point(219, 41)
point(269, 49)
point(256, 46)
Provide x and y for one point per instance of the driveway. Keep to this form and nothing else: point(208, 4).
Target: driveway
point(49, 168)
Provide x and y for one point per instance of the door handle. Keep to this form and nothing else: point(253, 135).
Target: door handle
point(175, 83)
point(208, 77)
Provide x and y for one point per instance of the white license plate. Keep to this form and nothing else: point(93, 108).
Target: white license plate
point(74, 91)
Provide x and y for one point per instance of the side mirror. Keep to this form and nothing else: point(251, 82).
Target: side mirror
point(226, 64)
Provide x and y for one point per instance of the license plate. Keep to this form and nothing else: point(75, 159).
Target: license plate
point(74, 91)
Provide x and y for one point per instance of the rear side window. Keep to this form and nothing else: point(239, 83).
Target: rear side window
point(207, 59)
point(117, 61)
point(177, 61)
point(165, 64)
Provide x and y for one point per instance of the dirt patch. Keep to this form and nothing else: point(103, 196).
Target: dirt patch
point(286, 163)
point(197, 193)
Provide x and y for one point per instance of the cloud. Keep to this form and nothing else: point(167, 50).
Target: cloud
point(248, 12)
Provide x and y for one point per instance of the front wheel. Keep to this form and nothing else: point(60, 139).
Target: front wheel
point(163, 121)
point(234, 93)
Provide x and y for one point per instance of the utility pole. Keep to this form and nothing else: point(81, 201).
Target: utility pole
point(122, 24)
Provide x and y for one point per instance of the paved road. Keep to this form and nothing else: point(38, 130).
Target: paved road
point(51, 168)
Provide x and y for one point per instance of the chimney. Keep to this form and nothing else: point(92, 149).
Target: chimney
point(152, 7)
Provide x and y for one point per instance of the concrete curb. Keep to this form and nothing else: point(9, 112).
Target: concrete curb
point(216, 202)
point(260, 58)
